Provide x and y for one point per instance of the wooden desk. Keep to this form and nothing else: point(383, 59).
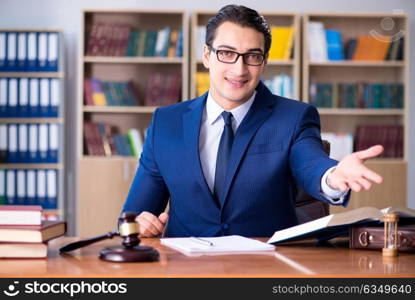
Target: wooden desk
point(305, 260)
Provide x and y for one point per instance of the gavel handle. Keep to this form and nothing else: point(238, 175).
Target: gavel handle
point(83, 243)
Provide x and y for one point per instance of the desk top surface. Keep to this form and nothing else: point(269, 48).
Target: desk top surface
point(299, 260)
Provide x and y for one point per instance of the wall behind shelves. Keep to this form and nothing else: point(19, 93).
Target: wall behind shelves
point(66, 14)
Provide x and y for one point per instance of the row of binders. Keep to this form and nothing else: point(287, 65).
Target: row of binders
point(29, 97)
point(29, 187)
point(29, 143)
point(29, 51)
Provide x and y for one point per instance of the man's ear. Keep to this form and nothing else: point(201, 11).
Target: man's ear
point(205, 56)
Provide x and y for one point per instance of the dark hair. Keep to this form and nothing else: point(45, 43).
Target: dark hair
point(240, 15)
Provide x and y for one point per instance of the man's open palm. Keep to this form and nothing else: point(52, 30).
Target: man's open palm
point(352, 173)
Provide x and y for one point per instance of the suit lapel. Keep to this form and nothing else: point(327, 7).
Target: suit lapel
point(191, 127)
point(257, 114)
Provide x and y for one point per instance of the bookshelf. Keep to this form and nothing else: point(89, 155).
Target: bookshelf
point(104, 181)
point(39, 66)
point(347, 71)
point(290, 67)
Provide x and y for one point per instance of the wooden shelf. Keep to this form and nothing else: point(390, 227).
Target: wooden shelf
point(31, 166)
point(97, 158)
point(133, 60)
point(120, 109)
point(31, 120)
point(351, 63)
point(33, 74)
point(361, 111)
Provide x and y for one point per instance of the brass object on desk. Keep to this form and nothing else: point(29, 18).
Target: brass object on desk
point(390, 247)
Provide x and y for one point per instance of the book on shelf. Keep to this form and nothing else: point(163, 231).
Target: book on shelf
point(282, 42)
point(220, 245)
point(29, 143)
point(335, 225)
point(163, 88)
point(38, 187)
point(390, 136)
point(32, 233)
point(119, 39)
point(281, 85)
point(29, 51)
point(357, 95)
point(110, 93)
point(372, 48)
point(202, 83)
point(335, 47)
point(29, 97)
point(106, 140)
point(20, 214)
point(23, 250)
point(317, 42)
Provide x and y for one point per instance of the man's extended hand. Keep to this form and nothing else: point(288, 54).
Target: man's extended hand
point(150, 225)
point(352, 173)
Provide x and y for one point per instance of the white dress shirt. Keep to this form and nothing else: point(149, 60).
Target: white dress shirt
point(209, 137)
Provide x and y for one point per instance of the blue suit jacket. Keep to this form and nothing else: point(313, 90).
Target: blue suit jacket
point(276, 147)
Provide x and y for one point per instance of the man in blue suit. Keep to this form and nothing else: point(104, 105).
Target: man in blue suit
point(229, 161)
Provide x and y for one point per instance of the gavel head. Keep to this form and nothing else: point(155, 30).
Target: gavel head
point(129, 229)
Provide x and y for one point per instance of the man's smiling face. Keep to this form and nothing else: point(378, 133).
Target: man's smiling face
point(233, 84)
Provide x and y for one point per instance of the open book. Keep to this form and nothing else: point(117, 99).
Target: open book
point(337, 224)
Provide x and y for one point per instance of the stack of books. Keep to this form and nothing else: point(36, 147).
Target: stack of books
point(103, 93)
point(106, 140)
point(23, 233)
point(116, 39)
point(357, 95)
point(327, 45)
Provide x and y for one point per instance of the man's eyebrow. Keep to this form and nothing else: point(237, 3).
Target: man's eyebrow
point(233, 48)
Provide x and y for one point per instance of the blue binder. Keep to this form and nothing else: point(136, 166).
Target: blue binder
point(54, 97)
point(34, 107)
point(21, 187)
point(53, 52)
point(41, 188)
point(23, 105)
point(44, 97)
point(3, 50)
point(12, 143)
point(21, 51)
point(3, 97)
point(23, 149)
point(43, 143)
point(2, 187)
point(33, 143)
point(53, 146)
point(11, 55)
point(12, 95)
point(42, 56)
point(52, 189)
point(3, 143)
point(31, 187)
point(32, 51)
point(11, 187)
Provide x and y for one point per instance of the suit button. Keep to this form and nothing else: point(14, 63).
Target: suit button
point(225, 226)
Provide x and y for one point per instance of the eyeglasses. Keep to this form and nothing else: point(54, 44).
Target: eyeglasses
point(230, 57)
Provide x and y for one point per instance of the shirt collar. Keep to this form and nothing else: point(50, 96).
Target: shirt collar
point(213, 110)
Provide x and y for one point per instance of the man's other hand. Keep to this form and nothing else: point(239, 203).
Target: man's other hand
point(352, 173)
point(150, 225)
